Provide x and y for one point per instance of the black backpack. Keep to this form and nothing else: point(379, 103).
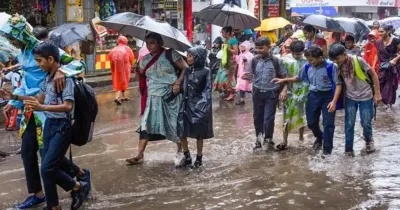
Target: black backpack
point(85, 113)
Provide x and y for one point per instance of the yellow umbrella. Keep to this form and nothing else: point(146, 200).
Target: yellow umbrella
point(274, 23)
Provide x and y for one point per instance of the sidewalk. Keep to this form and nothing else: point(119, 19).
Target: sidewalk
point(101, 80)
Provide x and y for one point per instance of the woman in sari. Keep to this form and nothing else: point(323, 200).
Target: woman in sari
point(225, 80)
point(388, 54)
point(159, 120)
point(294, 117)
point(370, 51)
point(313, 40)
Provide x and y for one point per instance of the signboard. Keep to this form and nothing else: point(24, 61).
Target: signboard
point(327, 11)
point(74, 11)
point(257, 8)
point(273, 11)
point(341, 3)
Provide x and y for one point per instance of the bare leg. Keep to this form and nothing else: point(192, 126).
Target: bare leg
point(286, 133)
point(179, 146)
point(200, 147)
point(123, 94)
point(301, 134)
point(39, 194)
point(139, 157)
point(118, 95)
point(184, 145)
point(283, 145)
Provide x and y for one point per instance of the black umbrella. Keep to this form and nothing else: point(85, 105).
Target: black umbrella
point(352, 25)
point(229, 15)
point(324, 23)
point(69, 33)
point(139, 26)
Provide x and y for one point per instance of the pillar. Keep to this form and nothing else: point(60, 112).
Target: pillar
point(188, 19)
point(61, 12)
point(88, 14)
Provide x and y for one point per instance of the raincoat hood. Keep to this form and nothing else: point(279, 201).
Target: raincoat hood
point(200, 56)
point(122, 40)
point(17, 27)
point(247, 45)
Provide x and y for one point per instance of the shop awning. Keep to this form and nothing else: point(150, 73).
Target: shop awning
point(304, 11)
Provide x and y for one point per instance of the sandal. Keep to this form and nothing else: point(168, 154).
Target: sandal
point(134, 161)
point(281, 147)
point(117, 101)
point(125, 99)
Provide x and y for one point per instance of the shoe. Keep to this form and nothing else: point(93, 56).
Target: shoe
point(325, 154)
point(31, 202)
point(369, 145)
point(240, 103)
point(257, 146)
point(268, 144)
point(199, 162)
point(317, 144)
point(186, 161)
point(78, 197)
point(87, 178)
point(350, 154)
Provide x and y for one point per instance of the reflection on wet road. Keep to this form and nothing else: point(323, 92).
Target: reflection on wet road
point(234, 177)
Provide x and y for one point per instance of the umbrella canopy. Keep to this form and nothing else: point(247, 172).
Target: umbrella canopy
point(7, 49)
point(352, 25)
point(323, 23)
point(139, 26)
point(228, 15)
point(274, 23)
point(394, 21)
point(69, 33)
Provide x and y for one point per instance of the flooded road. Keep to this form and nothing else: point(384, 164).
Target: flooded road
point(233, 176)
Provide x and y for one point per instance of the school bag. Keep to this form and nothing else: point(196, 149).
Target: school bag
point(329, 69)
point(85, 112)
point(359, 72)
point(275, 62)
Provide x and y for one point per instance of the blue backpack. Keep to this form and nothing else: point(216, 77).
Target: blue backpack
point(329, 69)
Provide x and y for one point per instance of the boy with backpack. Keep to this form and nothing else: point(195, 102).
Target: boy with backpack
point(324, 93)
point(56, 169)
point(361, 92)
point(266, 94)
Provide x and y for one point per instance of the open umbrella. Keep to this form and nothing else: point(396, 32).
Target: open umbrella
point(69, 33)
point(394, 21)
point(274, 23)
point(228, 15)
point(139, 26)
point(352, 25)
point(323, 23)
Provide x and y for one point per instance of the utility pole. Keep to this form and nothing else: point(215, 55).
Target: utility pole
point(282, 8)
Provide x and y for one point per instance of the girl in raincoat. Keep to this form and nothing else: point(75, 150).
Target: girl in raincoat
point(195, 114)
point(121, 58)
point(244, 83)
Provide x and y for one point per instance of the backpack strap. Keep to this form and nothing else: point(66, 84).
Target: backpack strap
point(359, 72)
point(306, 68)
point(168, 55)
point(329, 70)
point(254, 63)
point(275, 61)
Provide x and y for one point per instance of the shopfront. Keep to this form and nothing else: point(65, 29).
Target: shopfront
point(37, 12)
point(365, 9)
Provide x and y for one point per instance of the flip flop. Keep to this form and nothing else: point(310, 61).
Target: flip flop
point(125, 99)
point(118, 102)
point(281, 147)
point(134, 161)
